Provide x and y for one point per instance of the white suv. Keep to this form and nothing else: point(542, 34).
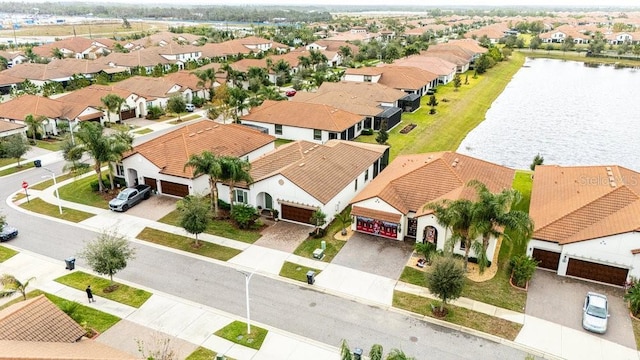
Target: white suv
point(191, 107)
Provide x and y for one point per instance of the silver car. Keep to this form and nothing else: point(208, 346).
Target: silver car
point(595, 313)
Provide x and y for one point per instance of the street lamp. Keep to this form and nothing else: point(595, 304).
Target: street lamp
point(247, 278)
point(55, 184)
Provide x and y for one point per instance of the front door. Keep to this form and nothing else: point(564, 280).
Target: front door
point(413, 227)
point(268, 201)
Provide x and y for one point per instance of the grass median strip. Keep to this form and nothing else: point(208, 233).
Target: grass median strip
point(204, 354)
point(222, 228)
point(457, 315)
point(184, 243)
point(6, 253)
point(124, 294)
point(15, 169)
point(237, 332)
point(41, 207)
point(143, 131)
point(296, 272)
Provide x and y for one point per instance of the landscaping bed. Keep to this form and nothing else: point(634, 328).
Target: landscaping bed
point(408, 128)
point(219, 227)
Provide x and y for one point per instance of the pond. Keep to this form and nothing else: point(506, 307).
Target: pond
point(569, 112)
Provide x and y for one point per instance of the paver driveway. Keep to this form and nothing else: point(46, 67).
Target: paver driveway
point(284, 236)
point(376, 255)
point(560, 299)
point(154, 208)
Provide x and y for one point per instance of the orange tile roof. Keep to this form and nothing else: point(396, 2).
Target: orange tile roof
point(6, 126)
point(171, 151)
point(366, 70)
point(431, 64)
point(20, 107)
point(244, 64)
point(74, 44)
point(85, 349)
point(322, 171)
point(187, 79)
point(570, 204)
point(469, 44)
point(38, 319)
point(412, 181)
point(148, 87)
point(56, 69)
point(91, 95)
point(143, 57)
point(303, 115)
point(406, 77)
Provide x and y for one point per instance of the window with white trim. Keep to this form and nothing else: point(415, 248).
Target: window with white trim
point(119, 170)
point(317, 134)
point(239, 196)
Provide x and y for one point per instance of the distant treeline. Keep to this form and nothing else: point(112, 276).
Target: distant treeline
point(185, 12)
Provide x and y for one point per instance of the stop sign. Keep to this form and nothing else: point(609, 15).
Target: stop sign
point(25, 185)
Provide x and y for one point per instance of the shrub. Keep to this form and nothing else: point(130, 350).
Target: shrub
point(522, 269)
point(197, 101)
point(244, 215)
point(95, 187)
point(223, 205)
point(367, 132)
point(154, 112)
point(633, 297)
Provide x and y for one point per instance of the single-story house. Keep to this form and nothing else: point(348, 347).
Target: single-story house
point(587, 222)
point(305, 121)
point(445, 70)
point(411, 80)
point(160, 161)
point(8, 128)
point(92, 95)
point(300, 177)
point(393, 205)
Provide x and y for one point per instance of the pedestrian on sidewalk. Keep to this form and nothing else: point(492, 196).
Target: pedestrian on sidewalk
point(90, 294)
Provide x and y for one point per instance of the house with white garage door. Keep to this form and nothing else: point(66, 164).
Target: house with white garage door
point(587, 222)
point(160, 161)
point(301, 177)
point(393, 205)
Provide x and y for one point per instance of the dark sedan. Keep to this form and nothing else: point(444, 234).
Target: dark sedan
point(8, 233)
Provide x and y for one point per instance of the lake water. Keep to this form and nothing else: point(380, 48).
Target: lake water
point(568, 112)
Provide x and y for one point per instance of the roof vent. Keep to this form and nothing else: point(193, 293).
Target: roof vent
point(215, 126)
point(301, 165)
point(200, 131)
point(192, 134)
point(613, 184)
point(608, 168)
point(306, 151)
point(209, 128)
point(315, 146)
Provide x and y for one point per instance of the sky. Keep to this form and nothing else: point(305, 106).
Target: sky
point(382, 3)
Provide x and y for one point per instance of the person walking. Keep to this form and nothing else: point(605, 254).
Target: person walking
point(90, 294)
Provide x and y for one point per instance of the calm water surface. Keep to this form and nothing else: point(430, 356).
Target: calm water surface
point(570, 113)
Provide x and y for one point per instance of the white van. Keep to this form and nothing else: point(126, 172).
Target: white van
point(191, 107)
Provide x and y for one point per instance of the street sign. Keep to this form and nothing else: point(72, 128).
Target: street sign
point(25, 185)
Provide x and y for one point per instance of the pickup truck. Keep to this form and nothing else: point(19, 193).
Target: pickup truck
point(130, 197)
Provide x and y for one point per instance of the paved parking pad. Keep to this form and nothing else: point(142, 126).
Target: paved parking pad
point(560, 299)
point(375, 255)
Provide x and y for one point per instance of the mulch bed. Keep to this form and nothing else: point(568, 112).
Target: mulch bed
point(408, 128)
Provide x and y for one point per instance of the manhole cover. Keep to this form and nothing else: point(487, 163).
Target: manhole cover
point(413, 339)
point(312, 304)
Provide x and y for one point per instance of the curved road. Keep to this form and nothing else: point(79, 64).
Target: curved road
point(322, 317)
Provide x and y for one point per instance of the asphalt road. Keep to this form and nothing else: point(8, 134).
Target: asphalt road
point(309, 313)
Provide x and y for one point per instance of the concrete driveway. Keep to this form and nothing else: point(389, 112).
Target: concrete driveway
point(283, 236)
point(375, 255)
point(560, 299)
point(154, 208)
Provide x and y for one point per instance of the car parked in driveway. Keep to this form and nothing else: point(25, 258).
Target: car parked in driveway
point(290, 93)
point(595, 313)
point(8, 233)
point(190, 107)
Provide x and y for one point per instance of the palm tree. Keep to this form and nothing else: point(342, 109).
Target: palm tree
point(494, 213)
point(237, 97)
point(33, 125)
point(456, 215)
point(270, 93)
point(207, 79)
point(119, 143)
point(633, 297)
point(72, 154)
point(397, 354)
point(113, 103)
point(235, 170)
point(96, 145)
point(206, 163)
point(12, 285)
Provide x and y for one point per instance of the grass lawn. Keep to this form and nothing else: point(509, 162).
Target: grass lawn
point(143, 131)
point(457, 315)
point(48, 183)
point(237, 332)
point(636, 331)
point(222, 228)
point(15, 169)
point(80, 192)
point(51, 145)
point(185, 119)
point(7, 161)
point(6, 253)
point(333, 246)
point(204, 354)
point(463, 111)
point(94, 319)
point(296, 272)
point(123, 294)
point(184, 243)
point(280, 142)
point(41, 207)
point(414, 276)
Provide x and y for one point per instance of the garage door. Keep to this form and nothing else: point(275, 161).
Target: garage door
point(296, 214)
point(597, 272)
point(547, 259)
point(171, 188)
point(127, 114)
point(151, 182)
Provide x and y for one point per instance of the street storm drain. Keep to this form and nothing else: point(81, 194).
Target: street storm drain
point(312, 304)
point(413, 339)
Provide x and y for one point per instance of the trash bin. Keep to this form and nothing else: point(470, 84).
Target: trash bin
point(310, 277)
point(37, 163)
point(357, 354)
point(70, 262)
point(220, 357)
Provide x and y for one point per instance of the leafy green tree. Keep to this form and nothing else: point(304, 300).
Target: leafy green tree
point(113, 103)
point(446, 279)
point(77, 82)
point(345, 220)
point(57, 53)
point(457, 82)
point(567, 44)
point(376, 352)
point(383, 135)
point(51, 88)
point(177, 105)
point(108, 253)
point(72, 154)
point(537, 160)
point(3, 221)
point(207, 163)
point(535, 43)
point(345, 351)
point(16, 146)
point(598, 43)
point(195, 214)
point(237, 101)
point(92, 142)
point(11, 285)
point(318, 218)
point(632, 296)
point(458, 216)
point(207, 80)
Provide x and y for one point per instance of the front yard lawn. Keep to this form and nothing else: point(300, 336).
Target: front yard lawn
point(296, 272)
point(123, 294)
point(80, 192)
point(636, 331)
point(6, 253)
point(184, 243)
point(333, 245)
point(457, 315)
point(224, 228)
point(48, 183)
point(414, 276)
point(237, 332)
point(51, 145)
point(41, 207)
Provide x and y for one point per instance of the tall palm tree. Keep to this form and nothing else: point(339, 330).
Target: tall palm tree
point(113, 103)
point(207, 79)
point(11, 285)
point(493, 214)
point(34, 124)
point(207, 163)
point(96, 145)
point(237, 101)
point(235, 170)
point(456, 215)
point(119, 143)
